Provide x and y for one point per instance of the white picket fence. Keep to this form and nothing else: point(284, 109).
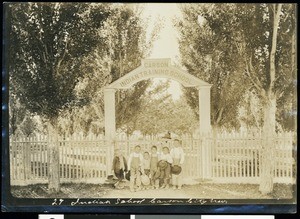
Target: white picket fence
point(225, 158)
point(236, 158)
point(81, 160)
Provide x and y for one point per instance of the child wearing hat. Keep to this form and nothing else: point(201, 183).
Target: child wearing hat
point(153, 167)
point(164, 165)
point(178, 159)
point(135, 165)
point(119, 167)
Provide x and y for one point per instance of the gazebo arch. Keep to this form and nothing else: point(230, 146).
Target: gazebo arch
point(156, 68)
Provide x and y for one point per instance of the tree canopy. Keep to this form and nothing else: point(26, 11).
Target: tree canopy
point(244, 50)
point(229, 46)
point(61, 55)
point(159, 113)
point(47, 44)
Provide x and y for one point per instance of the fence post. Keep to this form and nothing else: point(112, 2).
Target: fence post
point(206, 156)
point(28, 159)
point(110, 145)
point(24, 154)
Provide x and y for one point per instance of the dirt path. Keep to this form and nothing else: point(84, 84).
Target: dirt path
point(200, 190)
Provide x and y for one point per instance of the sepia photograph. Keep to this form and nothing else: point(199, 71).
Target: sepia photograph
point(150, 103)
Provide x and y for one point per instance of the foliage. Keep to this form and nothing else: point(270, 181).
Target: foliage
point(28, 126)
point(61, 55)
point(160, 113)
point(130, 46)
point(124, 34)
point(251, 112)
point(229, 45)
point(208, 52)
point(47, 44)
point(17, 113)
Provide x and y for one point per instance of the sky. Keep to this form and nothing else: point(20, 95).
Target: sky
point(166, 46)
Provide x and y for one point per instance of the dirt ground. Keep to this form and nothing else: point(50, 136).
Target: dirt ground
point(201, 190)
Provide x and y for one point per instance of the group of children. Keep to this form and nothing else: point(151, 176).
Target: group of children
point(160, 168)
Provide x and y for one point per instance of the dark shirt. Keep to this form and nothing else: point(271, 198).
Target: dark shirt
point(117, 164)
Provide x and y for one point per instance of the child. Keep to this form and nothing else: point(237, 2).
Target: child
point(119, 167)
point(178, 159)
point(153, 167)
point(146, 165)
point(135, 165)
point(164, 164)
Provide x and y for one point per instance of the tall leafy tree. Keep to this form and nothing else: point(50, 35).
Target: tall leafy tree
point(47, 44)
point(124, 33)
point(262, 46)
point(268, 58)
point(130, 47)
point(207, 47)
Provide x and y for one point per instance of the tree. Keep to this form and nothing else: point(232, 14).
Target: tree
point(89, 118)
point(266, 65)
point(208, 51)
point(21, 121)
point(262, 43)
point(160, 113)
point(124, 33)
point(129, 47)
point(17, 114)
point(28, 126)
point(250, 111)
point(47, 43)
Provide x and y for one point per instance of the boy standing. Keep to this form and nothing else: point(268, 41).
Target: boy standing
point(146, 166)
point(178, 159)
point(135, 164)
point(153, 167)
point(119, 167)
point(164, 164)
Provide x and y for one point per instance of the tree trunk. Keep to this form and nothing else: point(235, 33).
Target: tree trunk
point(267, 165)
point(274, 45)
point(270, 115)
point(266, 184)
point(53, 162)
